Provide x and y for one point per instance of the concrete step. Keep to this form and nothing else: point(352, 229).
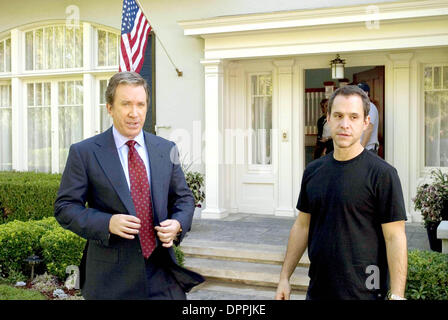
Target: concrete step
point(259, 253)
point(220, 290)
point(252, 273)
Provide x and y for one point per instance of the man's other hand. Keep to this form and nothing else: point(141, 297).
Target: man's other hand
point(167, 231)
point(283, 290)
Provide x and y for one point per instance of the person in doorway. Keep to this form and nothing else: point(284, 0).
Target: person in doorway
point(320, 148)
point(351, 215)
point(138, 204)
point(369, 139)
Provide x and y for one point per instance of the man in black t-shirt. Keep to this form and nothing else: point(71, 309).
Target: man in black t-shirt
point(351, 215)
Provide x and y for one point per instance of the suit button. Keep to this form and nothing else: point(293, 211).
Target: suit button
point(139, 250)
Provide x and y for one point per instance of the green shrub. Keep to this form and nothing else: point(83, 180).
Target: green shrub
point(427, 276)
point(18, 240)
point(61, 248)
point(58, 247)
point(195, 181)
point(27, 195)
point(179, 256)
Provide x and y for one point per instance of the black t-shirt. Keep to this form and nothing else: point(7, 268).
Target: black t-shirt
point(348, 201)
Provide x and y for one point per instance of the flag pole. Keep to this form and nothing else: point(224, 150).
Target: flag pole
point(179, 73)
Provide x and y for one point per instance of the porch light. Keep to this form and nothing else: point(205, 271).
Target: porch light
point(337, 67)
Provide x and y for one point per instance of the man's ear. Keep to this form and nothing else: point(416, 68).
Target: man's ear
point(366, 121)
point(109, 108)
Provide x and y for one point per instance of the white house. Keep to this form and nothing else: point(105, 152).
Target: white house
point(245, 109)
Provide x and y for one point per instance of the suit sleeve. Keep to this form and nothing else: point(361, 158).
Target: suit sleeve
point(70, 206)
point(180, 198)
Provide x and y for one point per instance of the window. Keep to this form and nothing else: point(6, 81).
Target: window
point(5, 128)
point(107, 48)
point(70, 117)
point(436, 115)
point(54, 47)
point(54, 109)
point(5, 55)
point(39, 126)
point(105, 118)
point(261, 118)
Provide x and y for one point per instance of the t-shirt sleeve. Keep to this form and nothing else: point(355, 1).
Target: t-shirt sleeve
point(373, 114)
point(302, 202)
point(390, 197)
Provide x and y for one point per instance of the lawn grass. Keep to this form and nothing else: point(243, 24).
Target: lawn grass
point(10, 293)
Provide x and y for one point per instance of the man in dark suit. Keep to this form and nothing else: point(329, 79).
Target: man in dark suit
point(138, 203)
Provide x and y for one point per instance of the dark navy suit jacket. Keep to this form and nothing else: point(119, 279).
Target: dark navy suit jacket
point(94, 187)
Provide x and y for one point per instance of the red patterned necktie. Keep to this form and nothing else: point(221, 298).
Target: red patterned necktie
point(141, 196)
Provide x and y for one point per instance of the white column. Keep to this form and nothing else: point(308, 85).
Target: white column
point(284, 160)
point(401, 117)
point(18, 103)
point(214, 164)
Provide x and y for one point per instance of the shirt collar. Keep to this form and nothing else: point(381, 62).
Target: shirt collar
point(120, 140)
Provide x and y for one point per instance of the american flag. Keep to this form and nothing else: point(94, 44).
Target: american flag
point(134, 37)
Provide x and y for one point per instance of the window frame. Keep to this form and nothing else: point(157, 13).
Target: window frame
point(424, 169)
point(47, 71)
point(258, 168)
point(96, 47)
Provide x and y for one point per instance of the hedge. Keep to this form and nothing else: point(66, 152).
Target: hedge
point(27, 195)
point(18, 240)
point(427, 275)
point(58, 247)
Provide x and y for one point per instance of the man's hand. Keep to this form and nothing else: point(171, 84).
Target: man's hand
point(124, 225)
point(283, 290)
point(168, 231)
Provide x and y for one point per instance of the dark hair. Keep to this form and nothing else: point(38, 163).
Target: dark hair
point(351, 90)
point(322, 102)
point(125, 77)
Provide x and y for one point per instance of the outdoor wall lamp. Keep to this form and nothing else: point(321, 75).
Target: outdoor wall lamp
point(337, 67)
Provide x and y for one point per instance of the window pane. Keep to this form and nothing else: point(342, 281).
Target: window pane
point(29, 50)
point(261, 119)
point(2, 56)
point(105, 119)
point(5, 128)
point(38, 94)
point(39, 48)
point(428, 78)
point(61, 98)
point(79, 93)
point(48, 43)
point(8, 55)
point(78, 47)
point(101, 47)
point(445, 77)
point(30, 90)
point(69, 48)
point(103, 87)
point(70, 119)
point(59, 48)
point(112, 52)
point(70, 93)
point(39, 132)
point(436, 128)
point(437, 77)
point(47, 94)
point(39, 139)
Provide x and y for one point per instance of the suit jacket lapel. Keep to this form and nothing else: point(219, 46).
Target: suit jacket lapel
point(155, 164)
point(109, 160)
